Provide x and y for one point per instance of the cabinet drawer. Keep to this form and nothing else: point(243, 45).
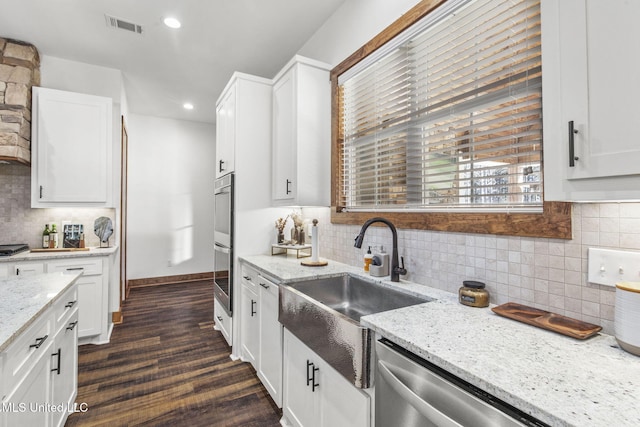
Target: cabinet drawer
point(268, 287)
point(89, 266)
point(222, 321)
point(65, 307)
point(23, 353)
point(250, 277)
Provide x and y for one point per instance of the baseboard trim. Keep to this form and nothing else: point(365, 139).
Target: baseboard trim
point(116, 317)
point(169, 280)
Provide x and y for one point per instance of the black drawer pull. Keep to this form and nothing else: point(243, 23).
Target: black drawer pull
point(39, 342)
point(253, 309)
point(219, 318)
point(59, 354)
point(288, 184)
point(70, 304)
point(264, 285)
point(72, 326)
point(247, 278)
point(75, 268)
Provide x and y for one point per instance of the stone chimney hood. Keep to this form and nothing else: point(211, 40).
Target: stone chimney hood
point(19, 71)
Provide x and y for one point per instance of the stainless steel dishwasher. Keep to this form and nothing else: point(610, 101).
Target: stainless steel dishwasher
point(411, 391)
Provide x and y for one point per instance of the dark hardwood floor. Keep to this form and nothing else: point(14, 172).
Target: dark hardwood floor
point(166, 366)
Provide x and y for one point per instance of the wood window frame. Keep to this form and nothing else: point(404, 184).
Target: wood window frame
point(553, 222)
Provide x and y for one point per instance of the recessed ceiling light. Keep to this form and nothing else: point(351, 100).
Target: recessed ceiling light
point(172, 22)
point(188, 106)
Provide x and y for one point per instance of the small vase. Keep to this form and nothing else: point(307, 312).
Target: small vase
point(280, 237)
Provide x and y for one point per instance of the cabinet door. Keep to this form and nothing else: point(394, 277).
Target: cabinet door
point(341, 404)
point(71, 148)
point(590, 85)
point(270, 365)
point(226, 133)
point(92, 293)
point(64, 369)
point(33, 390)
point(300, 402)
point(284, 138)
point(249, 327)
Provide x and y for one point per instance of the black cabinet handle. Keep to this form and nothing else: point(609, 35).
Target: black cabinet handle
point(17, 271)
point(72, 326)
point(247, 278)
point(572, 155)
point(220, 163)
point(59, 354)
point(309, 364)
point(288, 184)
point(75, 268)
point(41, 191)
point(253, 310)
point(314, 385)
point(70, 304)
point(219, 318)
point(264, 285)
point(39, 342)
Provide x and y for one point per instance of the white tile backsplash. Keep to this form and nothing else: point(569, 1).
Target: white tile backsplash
point(546, 273)
point(19, 223)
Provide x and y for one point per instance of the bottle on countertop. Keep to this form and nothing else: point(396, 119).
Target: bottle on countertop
point(368, 257)
point(45, 236)
point(53, 237)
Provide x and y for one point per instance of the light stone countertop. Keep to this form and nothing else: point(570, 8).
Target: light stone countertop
point(23, 298)
point(560, 380)
point(36, 256)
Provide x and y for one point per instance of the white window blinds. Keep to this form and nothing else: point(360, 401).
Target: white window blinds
point(449, 116)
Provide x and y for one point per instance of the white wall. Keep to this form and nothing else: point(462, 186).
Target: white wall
point(170, 203)
point(351, 26)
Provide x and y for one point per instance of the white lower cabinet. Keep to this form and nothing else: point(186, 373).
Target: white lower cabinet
point(315, 394)
point(260, 331)
point(40, 368)
point(93, 322)
point(270, 347)
point(222, 322)
point(249, 326)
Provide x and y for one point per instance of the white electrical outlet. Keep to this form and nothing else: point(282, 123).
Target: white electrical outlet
point(608, 267)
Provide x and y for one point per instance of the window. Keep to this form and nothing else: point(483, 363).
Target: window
point(449, 114)
point(438, 123)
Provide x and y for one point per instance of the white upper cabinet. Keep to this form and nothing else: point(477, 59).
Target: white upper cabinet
point(590, 87)
point(302, 134)
point(226, 132)
point(71, 149)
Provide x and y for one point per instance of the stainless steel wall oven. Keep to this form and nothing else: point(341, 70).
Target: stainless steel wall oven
point(223, 241)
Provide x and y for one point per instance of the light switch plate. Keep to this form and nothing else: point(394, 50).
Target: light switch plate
point(608, 267)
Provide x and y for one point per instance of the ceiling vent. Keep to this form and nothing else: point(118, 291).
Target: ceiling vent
point(120, 24)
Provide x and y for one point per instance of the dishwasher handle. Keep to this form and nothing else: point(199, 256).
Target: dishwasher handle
point(427, 410)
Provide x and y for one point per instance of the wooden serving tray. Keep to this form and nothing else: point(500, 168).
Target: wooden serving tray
point(59, 249)
point(547, 320)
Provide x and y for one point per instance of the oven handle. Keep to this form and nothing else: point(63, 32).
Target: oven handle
point(223, 190)
point(223, 249)
point(429, 412)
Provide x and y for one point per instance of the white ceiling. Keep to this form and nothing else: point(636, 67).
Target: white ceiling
point(163, 68)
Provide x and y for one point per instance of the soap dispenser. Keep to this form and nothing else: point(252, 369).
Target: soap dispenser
point(380, 264)
point(368, 257)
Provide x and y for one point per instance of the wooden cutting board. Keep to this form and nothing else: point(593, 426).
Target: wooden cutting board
point(59, 249)
point(547, 320)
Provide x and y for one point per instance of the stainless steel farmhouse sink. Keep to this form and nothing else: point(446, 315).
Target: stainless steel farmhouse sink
point(325, 314)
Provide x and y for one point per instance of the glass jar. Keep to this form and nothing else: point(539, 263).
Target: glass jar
point(473, 294)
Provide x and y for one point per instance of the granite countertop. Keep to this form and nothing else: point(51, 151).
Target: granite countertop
point(560, 380)
point(35, 256)
point(23, 298)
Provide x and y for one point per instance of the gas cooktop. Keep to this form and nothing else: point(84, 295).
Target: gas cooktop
point(8, 250)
